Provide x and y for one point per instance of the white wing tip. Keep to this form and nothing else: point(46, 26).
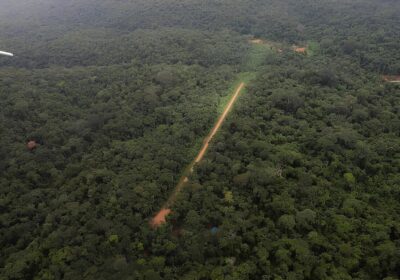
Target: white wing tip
point(6, 53)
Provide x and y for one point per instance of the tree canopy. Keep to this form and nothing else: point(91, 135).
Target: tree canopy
point(106, 103)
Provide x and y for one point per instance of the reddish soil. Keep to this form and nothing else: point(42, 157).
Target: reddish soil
point(257, 41)
point(391, 79)
point(160, 218)
point(273, 45)
point(300, 50)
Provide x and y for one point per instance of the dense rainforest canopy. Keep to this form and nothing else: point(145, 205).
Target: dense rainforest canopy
point(106, 102)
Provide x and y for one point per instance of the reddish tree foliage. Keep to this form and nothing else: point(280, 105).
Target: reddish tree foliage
point(31, 145)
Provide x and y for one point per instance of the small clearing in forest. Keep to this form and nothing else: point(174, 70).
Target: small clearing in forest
point(160, 218)
point(302, 50)
point(391, 79)
point(273, 45)
point(257, 41)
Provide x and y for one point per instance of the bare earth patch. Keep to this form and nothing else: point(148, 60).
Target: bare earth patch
point(257, 41)
point(391, 79)
point(302, 50)
point(272, 45)
point(160, 218)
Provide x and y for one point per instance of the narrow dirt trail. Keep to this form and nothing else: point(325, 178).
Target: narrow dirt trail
point(219, 123)
point(159, 218)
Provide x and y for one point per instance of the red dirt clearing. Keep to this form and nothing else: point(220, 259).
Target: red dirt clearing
point(273, 45)
point(300, 50)
point(160, 218)
point(257, 41)
point(391, 79)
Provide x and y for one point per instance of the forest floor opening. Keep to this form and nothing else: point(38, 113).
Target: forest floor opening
point(275, 46)
point(160, 217)
point(391, 79)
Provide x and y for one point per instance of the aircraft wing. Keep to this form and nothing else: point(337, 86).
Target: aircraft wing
point(6, 53)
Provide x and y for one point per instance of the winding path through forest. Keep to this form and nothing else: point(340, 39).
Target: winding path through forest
point(159, 218)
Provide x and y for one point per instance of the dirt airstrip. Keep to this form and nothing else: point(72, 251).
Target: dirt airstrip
point(160, 217)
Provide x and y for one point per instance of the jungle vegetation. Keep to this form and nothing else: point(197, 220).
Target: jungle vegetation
point(302, 182)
